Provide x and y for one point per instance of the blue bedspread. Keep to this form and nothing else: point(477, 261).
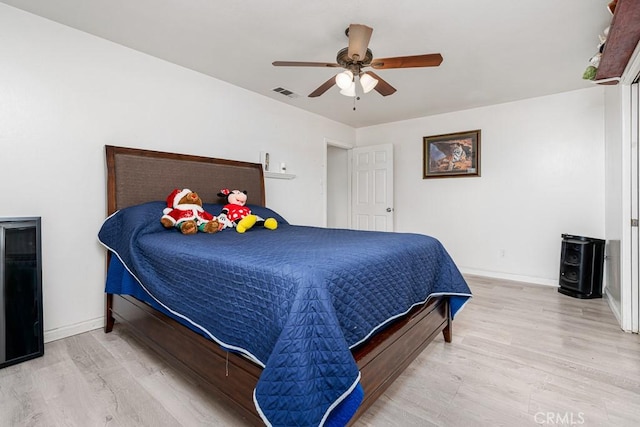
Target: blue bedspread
point(295, 300)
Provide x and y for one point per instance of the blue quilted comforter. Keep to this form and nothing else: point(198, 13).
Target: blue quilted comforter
point(295, 300)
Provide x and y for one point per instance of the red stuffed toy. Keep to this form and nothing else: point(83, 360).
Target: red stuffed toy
point(236, 214)
point(184, 211)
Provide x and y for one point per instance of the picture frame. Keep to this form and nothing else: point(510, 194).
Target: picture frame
point(451, 155)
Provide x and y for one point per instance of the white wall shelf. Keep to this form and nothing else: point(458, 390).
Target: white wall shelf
point(278, 175)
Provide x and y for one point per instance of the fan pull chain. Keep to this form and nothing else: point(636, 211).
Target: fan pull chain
point(355, 98)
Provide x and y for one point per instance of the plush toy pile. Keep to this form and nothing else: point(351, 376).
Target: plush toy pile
point(184, 211)
point(594, 61)
point(236, 214)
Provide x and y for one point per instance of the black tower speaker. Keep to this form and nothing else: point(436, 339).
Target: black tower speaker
point(581, 266)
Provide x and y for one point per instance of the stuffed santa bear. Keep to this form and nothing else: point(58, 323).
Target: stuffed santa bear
point(184, 211)
point(236, 214)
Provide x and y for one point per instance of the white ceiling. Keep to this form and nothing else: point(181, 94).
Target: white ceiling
point(494, 50)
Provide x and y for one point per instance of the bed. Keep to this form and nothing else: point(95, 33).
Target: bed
point(288, 333)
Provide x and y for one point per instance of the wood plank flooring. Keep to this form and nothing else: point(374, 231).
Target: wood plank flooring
point(522, 355)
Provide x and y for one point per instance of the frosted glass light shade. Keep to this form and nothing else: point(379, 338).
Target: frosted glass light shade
point(367, 82)
point(344, 79)
point(349, 91)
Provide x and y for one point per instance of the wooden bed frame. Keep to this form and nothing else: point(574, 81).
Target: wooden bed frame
point(136, 176)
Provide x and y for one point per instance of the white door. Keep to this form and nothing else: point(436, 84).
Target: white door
point(372, 188)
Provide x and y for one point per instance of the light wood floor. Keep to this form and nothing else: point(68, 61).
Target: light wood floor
point(521, 355)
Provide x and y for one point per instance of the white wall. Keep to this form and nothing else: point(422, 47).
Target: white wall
point(542, 175)
point(65, 94)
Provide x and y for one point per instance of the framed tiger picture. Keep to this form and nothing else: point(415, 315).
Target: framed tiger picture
point(451, 155)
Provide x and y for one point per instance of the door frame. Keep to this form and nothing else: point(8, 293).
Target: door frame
point(328, 142)
point(629, 314)
point(631, 302)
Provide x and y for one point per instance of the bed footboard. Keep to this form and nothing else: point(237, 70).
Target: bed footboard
point(108, 315)
point(230, 376)
point(233, 378)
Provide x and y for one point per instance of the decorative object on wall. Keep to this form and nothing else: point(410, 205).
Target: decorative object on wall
point(357, 56)
point(264, 159)
point(271, 171)
point(451, 155)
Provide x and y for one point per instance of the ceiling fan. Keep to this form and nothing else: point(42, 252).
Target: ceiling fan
point(357, 56)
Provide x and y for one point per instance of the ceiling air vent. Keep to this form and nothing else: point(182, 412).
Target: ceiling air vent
point(286, 92)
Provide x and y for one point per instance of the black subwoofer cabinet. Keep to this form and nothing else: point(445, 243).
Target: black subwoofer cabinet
point(21, 332)
point(581, 266)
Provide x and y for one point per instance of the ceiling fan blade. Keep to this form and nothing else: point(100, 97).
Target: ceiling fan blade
point(323, 87)
point(303, 64)
point(359, 36)
point(383, 88)
point(429, 60)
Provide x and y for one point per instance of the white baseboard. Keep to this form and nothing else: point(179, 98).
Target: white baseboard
point(512, 277)
point(614, 308)
point(78, 328)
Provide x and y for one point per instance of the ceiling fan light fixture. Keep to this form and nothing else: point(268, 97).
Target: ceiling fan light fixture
point(344, 79)
point(349, 91)
point(367, 82)
point(357, 56)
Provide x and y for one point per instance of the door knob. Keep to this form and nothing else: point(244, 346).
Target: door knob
point(389, 209)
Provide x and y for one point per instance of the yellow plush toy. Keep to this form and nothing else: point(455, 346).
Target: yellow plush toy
point(236, 214)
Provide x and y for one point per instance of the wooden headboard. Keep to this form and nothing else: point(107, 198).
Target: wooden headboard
point(137, 176)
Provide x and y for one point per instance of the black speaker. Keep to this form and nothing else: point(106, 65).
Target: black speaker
point(21, 333)
point(581, 266)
